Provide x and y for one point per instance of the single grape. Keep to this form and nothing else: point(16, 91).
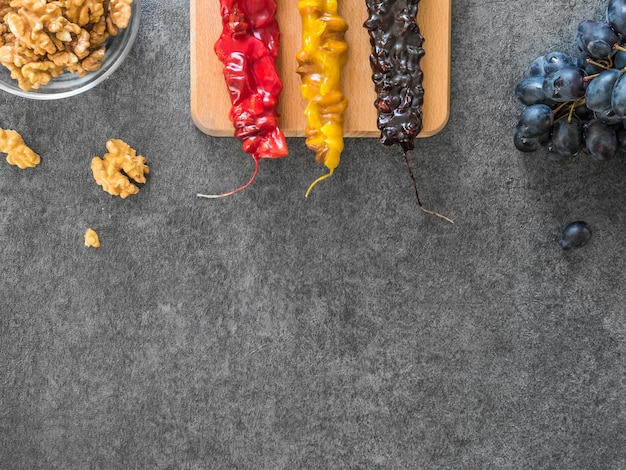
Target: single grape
point(535, 120)
point(556, 61)
point(616, 15)
point(619, 59)
point(533, 128)
point(583, 112)
point(566, 139)
point(575, 235)
point(529, 90)
point(598, 92)
point(600, 140)
point(618, 96)
point(566, 84)
point(537, 67)
point(596, 38)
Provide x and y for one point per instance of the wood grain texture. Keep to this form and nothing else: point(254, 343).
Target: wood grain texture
point(209, 99)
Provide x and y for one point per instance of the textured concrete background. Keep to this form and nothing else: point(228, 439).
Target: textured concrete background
point(347, 331)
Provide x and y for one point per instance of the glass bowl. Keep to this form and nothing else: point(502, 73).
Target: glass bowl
point(69, 84)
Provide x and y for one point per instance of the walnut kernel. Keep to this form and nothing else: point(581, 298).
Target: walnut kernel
point(115, 170)
point(18, 153)
point(91, 238)
point(119, 12)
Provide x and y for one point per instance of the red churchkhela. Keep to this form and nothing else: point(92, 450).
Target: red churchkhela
point(248, 48)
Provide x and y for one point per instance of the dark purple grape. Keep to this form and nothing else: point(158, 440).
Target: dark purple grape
point(618, 96)
point(556, 61)
point(566, 139)
point(533, 128)
point(537, 67)
point(596, 38)
point(583, 112)
point(600, 140)
point(575, 235)
point(529, 90)
point(598, 92)
point(535, 120)
point(616, 15)
point(566, 84)
point(619, 59)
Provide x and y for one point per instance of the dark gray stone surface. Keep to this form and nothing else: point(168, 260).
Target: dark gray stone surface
point(346, 331)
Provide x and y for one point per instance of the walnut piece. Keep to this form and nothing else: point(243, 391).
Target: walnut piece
point(119, 12)
point(83, 12)
point(115, 170)
point(91, 238)
point(40, 73)
point(41, 39)
point(18, 153)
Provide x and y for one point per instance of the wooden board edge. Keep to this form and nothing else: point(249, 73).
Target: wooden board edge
point(446, 117)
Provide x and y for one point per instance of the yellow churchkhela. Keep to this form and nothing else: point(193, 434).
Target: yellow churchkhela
point(320, 63)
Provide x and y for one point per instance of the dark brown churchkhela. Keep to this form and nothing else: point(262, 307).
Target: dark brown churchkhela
point(395, 59)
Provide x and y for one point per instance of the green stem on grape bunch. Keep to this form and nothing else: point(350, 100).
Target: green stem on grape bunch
point(570, 113)
point(558, 109)
point(619, 47)
point(588, 78)
point(606, 65)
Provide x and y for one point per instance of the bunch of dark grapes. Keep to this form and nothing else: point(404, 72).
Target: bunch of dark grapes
point(578, 105)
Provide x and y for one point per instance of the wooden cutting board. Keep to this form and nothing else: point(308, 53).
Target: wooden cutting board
point(209, 99)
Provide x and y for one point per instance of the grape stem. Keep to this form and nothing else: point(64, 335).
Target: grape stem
point(571, 112)
point(588, 78)
point(619, 47)
point(558, 109)
point(571, 104)
point(606, 66)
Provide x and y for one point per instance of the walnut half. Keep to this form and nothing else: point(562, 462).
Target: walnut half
point(115, 170)
point(18, 153)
